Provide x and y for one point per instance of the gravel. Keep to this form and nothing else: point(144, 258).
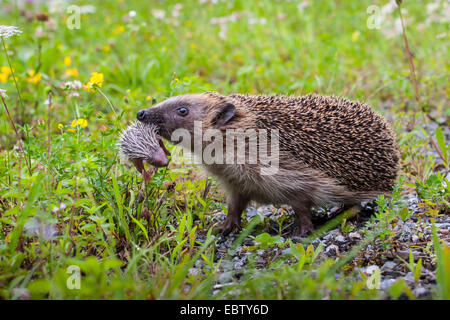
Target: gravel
point(414, 231)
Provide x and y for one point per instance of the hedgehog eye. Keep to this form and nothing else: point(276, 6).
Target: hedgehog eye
point(182, 111)
point(157, 131)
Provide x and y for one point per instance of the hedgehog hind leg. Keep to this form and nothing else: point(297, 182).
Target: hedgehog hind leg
point(236, 204)
point(303, 212)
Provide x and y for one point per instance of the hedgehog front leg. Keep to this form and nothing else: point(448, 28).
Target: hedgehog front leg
point(236, 204)
point(303, 212)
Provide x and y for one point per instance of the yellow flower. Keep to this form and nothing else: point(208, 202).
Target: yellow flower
point(119, 29)
point(60, 126)
point(33, 78)
point(193, 46)
point(107, 48)
point(3, 78)
point(67, 61)
point(82, 123)
point(5, 70)
point(72, 72)
point(148, 98)
point(96, 81)
point(355, 36)
point(72, 130)
point(188, 23)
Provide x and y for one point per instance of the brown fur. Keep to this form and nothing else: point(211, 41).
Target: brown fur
point(332, 150)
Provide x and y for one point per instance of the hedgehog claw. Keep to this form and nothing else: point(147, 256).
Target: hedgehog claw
point(229, 226)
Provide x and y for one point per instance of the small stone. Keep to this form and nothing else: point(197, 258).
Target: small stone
point(420, 292)
point(330, 235)
point(386, 284)
point(193, 271)
point(225, 277)
point(409, 278)
point(332, 250)
point(389, 265)
point(340, 238)
point(354, 235)
point(370, 269)
point(239, 264)
point(251, 212)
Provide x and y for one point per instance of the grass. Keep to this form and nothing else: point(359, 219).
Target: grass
point(67, 205)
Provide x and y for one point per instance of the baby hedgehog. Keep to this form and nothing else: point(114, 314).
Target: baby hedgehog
point(331, 150)
point(141, 142)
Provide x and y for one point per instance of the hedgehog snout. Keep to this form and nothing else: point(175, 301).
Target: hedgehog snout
point(141, 115)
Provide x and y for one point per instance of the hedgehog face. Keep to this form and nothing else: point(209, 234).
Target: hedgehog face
point(181, 112)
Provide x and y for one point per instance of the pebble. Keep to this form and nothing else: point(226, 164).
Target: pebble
point(412, 229)
point(420, 292)
point(226, 276)
point(409, 278)
point(332, 250)
point(354, 235)
point(386, 284)
point(442, 225)
point(370, 269)
point(193, 271)
point(389, 265)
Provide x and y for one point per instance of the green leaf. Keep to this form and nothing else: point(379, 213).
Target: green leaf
point(33, 195)
point(417, 272)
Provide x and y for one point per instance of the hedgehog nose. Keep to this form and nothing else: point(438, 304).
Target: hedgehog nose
point(141, 115)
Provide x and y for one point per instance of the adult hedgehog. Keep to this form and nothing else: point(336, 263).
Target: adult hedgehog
point(331, 150)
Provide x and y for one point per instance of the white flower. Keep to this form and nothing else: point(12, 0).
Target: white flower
point(3, 94)
point(388, 8)
point(74, 85)
point(8, 31)
point(132, 14)
point(302, 5)
point(159, 14)
point(176, 10)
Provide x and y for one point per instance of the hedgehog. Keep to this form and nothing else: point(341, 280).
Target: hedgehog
point(141, 142)
point(330, 150)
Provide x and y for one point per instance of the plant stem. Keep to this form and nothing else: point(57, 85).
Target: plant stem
point(410, 59)
point(109, 102)
point(49, 119)
point(15, 81)
point(416, 87)
point(17, 134)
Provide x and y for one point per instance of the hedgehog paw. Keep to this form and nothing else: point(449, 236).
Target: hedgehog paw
point(229, 226)
point(305, 229)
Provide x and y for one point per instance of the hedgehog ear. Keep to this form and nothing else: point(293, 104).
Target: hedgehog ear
point(225, 112)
